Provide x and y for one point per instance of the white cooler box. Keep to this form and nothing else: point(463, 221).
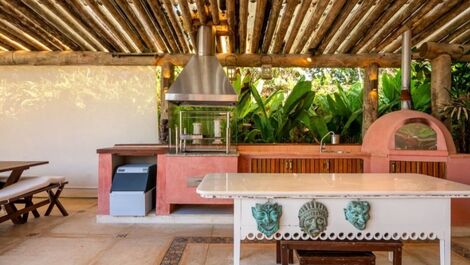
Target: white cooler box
point(131, 203)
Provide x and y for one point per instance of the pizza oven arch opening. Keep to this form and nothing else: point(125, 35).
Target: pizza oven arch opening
point(381, 137)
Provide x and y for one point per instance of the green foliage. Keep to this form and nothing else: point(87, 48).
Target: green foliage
point(458, 110)
point(342, 112)
point(390, 90)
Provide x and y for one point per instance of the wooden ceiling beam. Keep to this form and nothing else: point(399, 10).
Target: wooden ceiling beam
point(462, 39)
point(24, 26)
point(319, 9)
point(284, 25)
point(272, 22)
point(108, 25)
point(409, 24)
point(187, 21)
point(330, 24)
point(231, 23)
point(214, 6)
point(299, 18)
point(354, 19)
point(13, 40)
point(258, 24)
point(322, 43)
point(242, 24)
point(75, 22)
point(423, 23)
point(393, 24)
point(242, 60)
point(162, 22)
point(456, 33)
point(151, 26)
point(373, 29)
point(175, 25)
point(201, 11)
point(356, 32)
point(459, 20)
point(440, 22)
point(24, 13)
point(58, 23)
point(75, 7)
point(139, 26)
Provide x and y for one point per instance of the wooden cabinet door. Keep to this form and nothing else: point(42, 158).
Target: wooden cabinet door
point(433, 169)
point(346, 165)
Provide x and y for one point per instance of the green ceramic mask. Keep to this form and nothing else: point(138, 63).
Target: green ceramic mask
point(313, 218)
point(357, 213)
point(267, 217)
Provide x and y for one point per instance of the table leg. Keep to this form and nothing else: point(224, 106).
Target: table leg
point(284, 255)
point(278, 251)
point(236, 231)
point(14, 176)
point(397, 256)
point(445, 251)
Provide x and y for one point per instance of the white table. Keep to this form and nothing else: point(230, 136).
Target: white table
point(403, 206)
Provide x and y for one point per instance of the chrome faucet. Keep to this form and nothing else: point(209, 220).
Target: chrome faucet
point(323, 146)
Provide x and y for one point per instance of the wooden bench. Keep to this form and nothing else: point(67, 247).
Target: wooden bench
point(22, 192)
point(286, 247)
point(310, 257)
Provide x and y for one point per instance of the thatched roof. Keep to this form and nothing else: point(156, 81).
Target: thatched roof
point(242, 26)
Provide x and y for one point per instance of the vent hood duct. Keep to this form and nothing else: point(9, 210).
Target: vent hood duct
point(203, 80)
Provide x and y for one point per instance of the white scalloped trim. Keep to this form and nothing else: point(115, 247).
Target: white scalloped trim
point(344, 236)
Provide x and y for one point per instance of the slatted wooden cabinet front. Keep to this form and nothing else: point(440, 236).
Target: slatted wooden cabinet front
point(306, 165)
point(433, 169)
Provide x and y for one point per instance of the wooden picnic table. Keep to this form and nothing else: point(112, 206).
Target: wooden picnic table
point(17, 168)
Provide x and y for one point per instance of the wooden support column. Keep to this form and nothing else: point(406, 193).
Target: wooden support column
point(440, 83)
point(370, 105)
point(167, 78)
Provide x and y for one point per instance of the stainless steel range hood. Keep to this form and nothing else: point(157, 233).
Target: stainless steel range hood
point(203, 80)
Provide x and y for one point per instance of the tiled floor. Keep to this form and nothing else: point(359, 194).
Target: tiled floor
point(78, 239)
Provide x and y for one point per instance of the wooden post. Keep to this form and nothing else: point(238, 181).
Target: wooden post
point(440, 83)
point(370, 103)
point(167, 77)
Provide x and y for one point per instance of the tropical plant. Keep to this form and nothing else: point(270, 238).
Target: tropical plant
point(458, 110)
point(342, 112)
point(390, 90)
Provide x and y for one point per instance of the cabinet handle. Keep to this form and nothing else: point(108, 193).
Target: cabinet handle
point(393, 167)
point(290, 164)
point(328, 165)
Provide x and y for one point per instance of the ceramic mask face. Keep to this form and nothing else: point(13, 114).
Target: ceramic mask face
point(357, 213)
point(267, 217)
point(313, 218)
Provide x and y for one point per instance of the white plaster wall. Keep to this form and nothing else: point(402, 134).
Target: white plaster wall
point(63, 114)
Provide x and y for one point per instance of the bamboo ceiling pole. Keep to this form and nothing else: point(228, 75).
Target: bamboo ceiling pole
point(201, 10)
point(285, 22)
point(397, 20)
point(21, 26)
point(232, 45)
point(241, 60)
point(242, 24)
point(384, 18)
point(214, 6)
point(77, 9)
point(454, 35)
point(361, 30)
point(432, 50)
point(23, 13)
point(339, 21)
point(355, 18)
point(187, 21)
point(272, 21)
point(319, 9)
point(162, 22)
point(259, 18)
point(326, 25)
point(409, 24)
point(430, 19)
point(123, 23)
point(299, 18)
point(12, 40)
point(370, 97)
point(112, 29)
point(176, 25)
